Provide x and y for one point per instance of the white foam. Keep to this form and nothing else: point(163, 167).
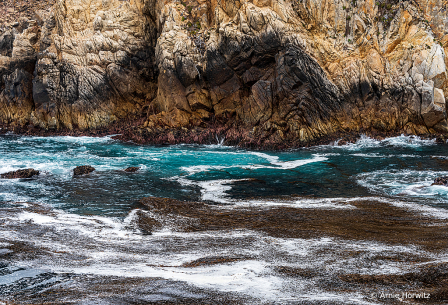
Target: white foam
point(377, 155)
point(289, 164)
point(424, 210)
point(19, 274)
point(279, 165)
point(410, 183)
point(70, 139)
point(106, 246)
point(400, 141)
point(371, 155)
point(408, 141)
point(203, 168)
point(99, 246)
point(12, 197)
point(212, 190)
point(215, 190)
point(302, 203)
point(271, 159)
point(440, 157)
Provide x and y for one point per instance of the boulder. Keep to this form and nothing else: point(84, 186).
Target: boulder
point(21, 173)
point(132, 169)
point(83, 170)
point(441, 181)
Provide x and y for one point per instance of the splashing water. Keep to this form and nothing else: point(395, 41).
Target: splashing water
point(87, 225)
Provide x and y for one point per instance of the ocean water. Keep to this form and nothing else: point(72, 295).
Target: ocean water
point(83, 225)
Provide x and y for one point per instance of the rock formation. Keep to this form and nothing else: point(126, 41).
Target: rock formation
point(261, 71)
point(21, 173)
point(441, 181)
point(131, 169)
point(83, 170)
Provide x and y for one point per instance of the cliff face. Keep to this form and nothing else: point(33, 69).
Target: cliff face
point(280, 71)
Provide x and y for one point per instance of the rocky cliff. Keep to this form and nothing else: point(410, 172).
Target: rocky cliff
point(260, 72)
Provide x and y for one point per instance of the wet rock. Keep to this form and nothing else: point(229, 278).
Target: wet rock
point(145, 223)
point(21, 173)
point(214, 260)
point(441, 181)
point(349, 139)
point(296, 272)
point(440, 140)
point(83, 170)
point(132, 169)
point(370, 220)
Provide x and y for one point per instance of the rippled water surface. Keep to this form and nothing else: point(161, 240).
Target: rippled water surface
point(87, 220)
point(401, 166)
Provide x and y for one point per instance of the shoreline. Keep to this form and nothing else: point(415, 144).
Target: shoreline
point(407, 248)
point(213, 134)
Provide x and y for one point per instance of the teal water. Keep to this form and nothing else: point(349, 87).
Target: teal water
point(86, 222)
point(401, 167)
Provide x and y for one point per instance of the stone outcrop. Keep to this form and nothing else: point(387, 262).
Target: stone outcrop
point(83, 170)
point(131, 169)
point(261, 72)
point(21, 173)
point(441, 181)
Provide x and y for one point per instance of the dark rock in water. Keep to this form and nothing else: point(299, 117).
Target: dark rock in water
point(441, 181)
point(83, 170)
point(21, 173)
point(440, 140)
point(214, 260)
point(348, 139)
point(145, 223)
point(132, 169)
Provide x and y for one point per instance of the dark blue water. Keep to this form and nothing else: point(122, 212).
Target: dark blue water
point(84, 225)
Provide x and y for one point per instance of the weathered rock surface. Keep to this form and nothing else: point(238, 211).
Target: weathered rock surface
point(131, 169)
point(441, 181)
point(82, 170)
point(21, 173)
point(261, 72)
point(145, 223)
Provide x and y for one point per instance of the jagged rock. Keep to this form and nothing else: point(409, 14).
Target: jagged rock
point(82, 170)
point(6, 40)
point(132, 169)
point(21, 173)
point(282, 72)
point(441, 181)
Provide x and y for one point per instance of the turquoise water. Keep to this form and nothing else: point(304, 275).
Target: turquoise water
point(401, 166)
point(84, 225)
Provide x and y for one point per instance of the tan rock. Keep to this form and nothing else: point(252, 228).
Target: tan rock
point(305, 69)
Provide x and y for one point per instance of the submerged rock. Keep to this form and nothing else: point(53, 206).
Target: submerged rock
point(214, 260)
point(132, 169)
point(83, 170)
point(145, 223)
point(441, 181)
point(21, 173)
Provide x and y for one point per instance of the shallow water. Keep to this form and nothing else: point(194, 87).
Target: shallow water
point(85, 225)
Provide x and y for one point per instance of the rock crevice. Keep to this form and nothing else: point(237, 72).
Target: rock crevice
point(276, 71)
